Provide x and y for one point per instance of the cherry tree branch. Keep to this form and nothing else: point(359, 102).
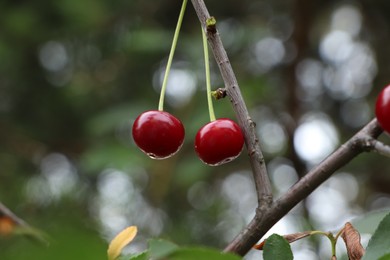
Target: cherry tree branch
point(269, 211)
point(263, 186)
point(19, 226)
point(349, 150)
point(4, 211)
point(344, 154)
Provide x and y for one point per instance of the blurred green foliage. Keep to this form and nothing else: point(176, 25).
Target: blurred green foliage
point(75, 74)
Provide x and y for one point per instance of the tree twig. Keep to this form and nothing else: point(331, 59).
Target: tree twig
point(314, 178)
point(349, 150)
point(19, 226)
point(4, 211)
point(263, 186)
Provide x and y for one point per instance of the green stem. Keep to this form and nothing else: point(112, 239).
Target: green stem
point(329, 235)
point(170, 58)
point(208, 84)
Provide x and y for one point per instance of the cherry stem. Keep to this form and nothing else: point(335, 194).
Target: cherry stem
point(170, 58)
point(207, 69)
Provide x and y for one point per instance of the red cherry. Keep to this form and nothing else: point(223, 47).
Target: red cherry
point(219, 142)
point(158, 134)
point(382, 108)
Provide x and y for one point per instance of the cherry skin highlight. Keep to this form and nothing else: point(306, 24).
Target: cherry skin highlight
point(382, 109)
point(158, 134)
point(219, 142)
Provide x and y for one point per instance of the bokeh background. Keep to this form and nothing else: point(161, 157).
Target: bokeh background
point(75, 74)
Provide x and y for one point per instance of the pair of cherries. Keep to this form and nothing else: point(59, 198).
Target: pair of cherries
point(160, 135)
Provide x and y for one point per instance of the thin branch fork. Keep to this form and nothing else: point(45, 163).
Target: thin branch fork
point(269, 211)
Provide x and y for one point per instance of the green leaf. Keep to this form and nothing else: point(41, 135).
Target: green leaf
point(369, 222)
point(196, 253)
point(140, 256)
point(379, 244)
point(385, 257)
point(159, 248)
point(276, 247)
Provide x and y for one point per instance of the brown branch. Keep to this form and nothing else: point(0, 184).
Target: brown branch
point(10, 223)
point(349, 150)
point(6, 212)
point(269, 212)
point(263, 186)
point(343, 155)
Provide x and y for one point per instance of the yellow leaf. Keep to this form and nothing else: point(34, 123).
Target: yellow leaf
point(120, 241)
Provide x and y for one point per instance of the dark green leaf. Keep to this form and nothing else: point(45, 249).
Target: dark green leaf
point(277, 247)
point(379, 244)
